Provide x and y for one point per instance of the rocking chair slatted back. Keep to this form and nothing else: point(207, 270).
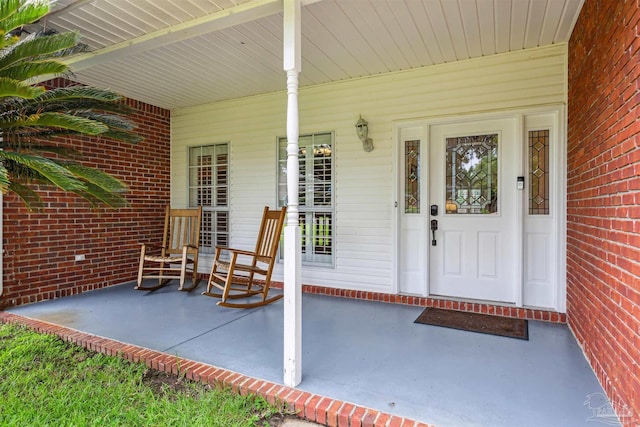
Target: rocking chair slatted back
point(269, 235)
point(182, 228)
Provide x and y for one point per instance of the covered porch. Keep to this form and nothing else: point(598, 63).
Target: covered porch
point(214, 77)
point(364, 362)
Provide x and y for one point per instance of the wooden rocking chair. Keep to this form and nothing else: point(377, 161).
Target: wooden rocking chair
point(253, 276)
point(178, 253)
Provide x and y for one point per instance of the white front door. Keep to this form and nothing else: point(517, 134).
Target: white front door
point(473, 170)
point(464, 176)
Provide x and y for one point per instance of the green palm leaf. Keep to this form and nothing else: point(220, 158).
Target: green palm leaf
point(31, 199)
point(95, 195)
point(62, 121)
point(111, 120)
point(80, 92)
point(10, 87)
point(35, 47)
point(97, 178)
point(120, 129)
point(47, 168)
point(24, 71)
point(5, 181)
point(30, 116)
point(16, 13)
point(74, 98)
point(130, 137)
point(67, 152)
point(62, 101)
point(7, 39)
point(8, 8)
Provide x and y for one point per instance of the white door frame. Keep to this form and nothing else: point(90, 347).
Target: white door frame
point(559, 187)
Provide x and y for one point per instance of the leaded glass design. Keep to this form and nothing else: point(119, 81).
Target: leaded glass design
point(539, 172)
point(315, 194)
point(412, 177)
point(472, 174)
point(209, 188)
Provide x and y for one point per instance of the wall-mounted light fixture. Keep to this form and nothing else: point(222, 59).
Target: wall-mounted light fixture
point(362, 128)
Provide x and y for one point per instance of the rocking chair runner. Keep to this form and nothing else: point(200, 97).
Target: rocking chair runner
point(240, 279)
point(178, 253)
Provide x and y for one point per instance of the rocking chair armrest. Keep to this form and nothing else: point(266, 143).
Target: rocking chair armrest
point(235, 251)
point(249, 254)
point(242, 252)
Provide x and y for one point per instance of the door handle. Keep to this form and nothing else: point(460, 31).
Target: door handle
point(434, 227)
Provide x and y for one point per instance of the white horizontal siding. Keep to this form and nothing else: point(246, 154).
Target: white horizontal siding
point(364, 182)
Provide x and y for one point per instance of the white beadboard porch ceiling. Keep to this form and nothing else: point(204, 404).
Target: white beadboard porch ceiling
point(177, 53)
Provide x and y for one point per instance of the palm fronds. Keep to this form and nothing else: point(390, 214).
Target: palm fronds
point(97, 178)
point(5, 179)
point(31, 115)
point(43, 168)
point(17, 13)
point(15, 88)
point(31, 199)
point(34, 47)
point(33, 69)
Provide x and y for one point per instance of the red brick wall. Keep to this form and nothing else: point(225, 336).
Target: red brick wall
point(603, 261)
point(40, 248)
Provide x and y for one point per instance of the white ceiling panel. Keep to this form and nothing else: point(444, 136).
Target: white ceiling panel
point(428, 36)
point(519, 15)
point(175, 53)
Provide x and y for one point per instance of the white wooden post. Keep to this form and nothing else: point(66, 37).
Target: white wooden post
point(292, 237)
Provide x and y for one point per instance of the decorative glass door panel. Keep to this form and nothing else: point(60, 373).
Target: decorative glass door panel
point(412, 177)
point(472, 174)
point(539, 172)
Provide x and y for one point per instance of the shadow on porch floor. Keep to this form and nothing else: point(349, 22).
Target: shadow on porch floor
point(367, 353)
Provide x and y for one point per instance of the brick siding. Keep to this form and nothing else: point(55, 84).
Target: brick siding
point(40, 248)
point(603, 265)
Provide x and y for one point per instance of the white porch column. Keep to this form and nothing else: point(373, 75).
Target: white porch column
point(292, 238)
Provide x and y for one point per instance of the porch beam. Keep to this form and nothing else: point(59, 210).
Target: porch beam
point(292, 236)
point(223, 19)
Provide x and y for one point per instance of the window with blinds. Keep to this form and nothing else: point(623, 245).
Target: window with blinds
point(315, 194)
point(209, 188)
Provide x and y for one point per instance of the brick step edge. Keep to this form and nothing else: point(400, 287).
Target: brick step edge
point(307, 406)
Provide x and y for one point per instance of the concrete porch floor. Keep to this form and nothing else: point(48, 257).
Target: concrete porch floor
point(367, 353)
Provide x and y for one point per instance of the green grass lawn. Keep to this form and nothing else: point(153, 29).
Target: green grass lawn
point(45, 381)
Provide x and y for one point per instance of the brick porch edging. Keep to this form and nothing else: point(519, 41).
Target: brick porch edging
point(471, 307)
point(313, 407)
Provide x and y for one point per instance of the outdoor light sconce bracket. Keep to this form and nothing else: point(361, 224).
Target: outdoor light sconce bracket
point(362, 129)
